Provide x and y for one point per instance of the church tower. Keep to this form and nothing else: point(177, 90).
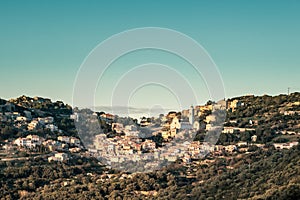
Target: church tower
point(191, 115)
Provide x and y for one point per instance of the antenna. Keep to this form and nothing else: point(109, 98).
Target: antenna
point(292, 89)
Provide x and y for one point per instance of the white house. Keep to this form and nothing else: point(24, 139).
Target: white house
point(75, 117)
point(21, 119)
point(65, 139)
point(254, 138)
point(148, 145)
point(242, 144)
point(46, 120)
point(210, 118)
point(75, 141)
point(29, 142)
point(285, 145)
point(59, 157)
point(51, 127)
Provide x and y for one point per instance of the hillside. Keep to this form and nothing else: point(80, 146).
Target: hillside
point(262, 175)
point(253, 170)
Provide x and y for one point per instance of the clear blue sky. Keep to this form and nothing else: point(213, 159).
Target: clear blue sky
point(255, 44)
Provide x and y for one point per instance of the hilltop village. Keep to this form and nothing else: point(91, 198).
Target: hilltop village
point(52, 132)
point(45, 126)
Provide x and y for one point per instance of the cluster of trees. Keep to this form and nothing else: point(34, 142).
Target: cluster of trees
point(265, 175)
point(35, 174)
point(266, 108)
point(43, 104)
point(266, 116)
point(270, 174)
point(7, 131)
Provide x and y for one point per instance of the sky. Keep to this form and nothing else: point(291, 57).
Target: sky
point(255, 45)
